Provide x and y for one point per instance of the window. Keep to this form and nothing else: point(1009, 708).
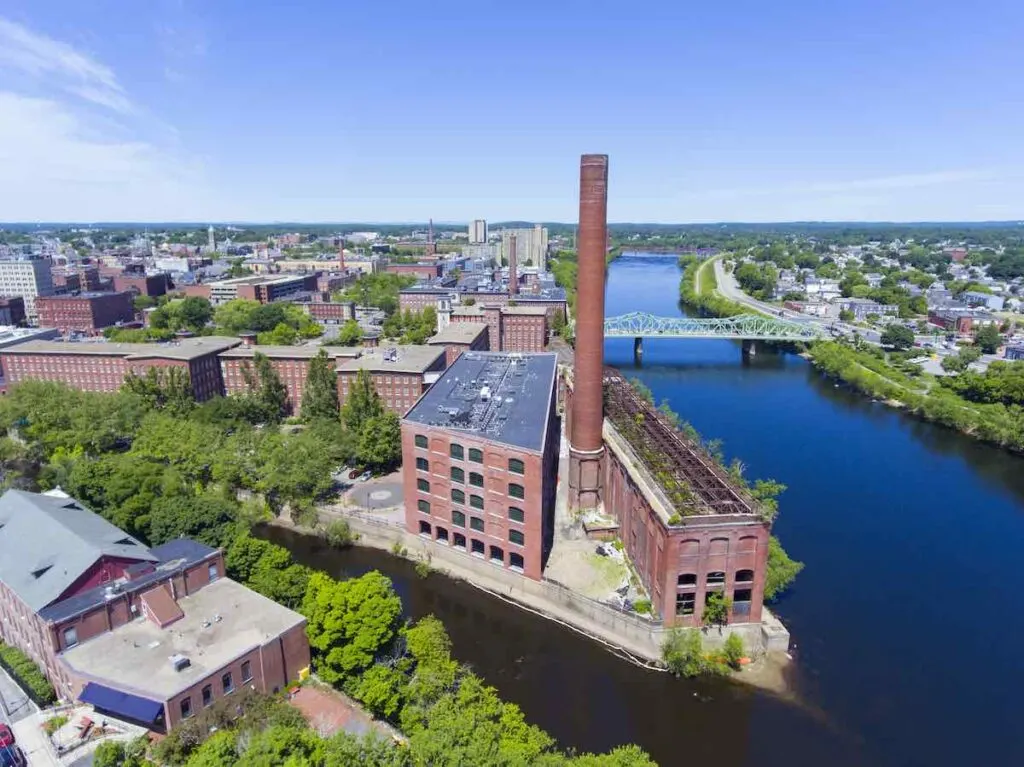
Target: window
point(442, 534)
point(516, 537)
point(516, 466)
point(515, 514)
point(516, 491)
point(685, 603)
point(476, 501)
point(458, 518)
point(424, 528)
point(716, 578)
point(422, 485)
point(422, 464)
point(744, 576)
point(476, 455)
point(477, 524)
point(458, 475)
point(477, 547)
point(455, 450)
point(186, 707)
point(497, 555)
point(208, 696)
point(226, 683)
point(246, 672)
point(70, 637)
point(423, 506)
point(687, 579)
point(212, 573)
point(459, 541)
point(458, 496)
point(515, 561)
point(741, 600)
point(476, 479)
point(421, 440)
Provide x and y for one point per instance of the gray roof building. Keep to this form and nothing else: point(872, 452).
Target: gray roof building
point(49, 540)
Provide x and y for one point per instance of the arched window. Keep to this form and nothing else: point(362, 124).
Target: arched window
point(744, 576)
point(716, 578)
point(687, 579)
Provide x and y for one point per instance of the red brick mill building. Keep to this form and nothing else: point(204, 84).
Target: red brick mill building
point(151, 636)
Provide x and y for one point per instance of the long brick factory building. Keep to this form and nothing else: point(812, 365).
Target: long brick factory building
point(151, 636)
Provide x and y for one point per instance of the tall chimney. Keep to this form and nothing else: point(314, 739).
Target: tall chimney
point(513, 275)
point(341, 256)
point(586, 444)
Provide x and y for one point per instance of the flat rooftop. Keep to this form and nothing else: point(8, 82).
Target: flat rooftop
point(477, 310)
point(496, 396)
point(459, 333)
point(183, 349)
point(135, 658)
point(399, 359)
point(305, 352)
point(258, 279)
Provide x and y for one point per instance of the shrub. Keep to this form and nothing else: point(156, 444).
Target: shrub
point(683, 654)
point(53, 724)
point(27, 674)
point(339, 534)
point(642, 606)
point(109, 753)
point(716, 610)
point(733, 651)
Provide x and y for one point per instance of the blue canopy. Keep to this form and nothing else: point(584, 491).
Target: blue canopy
point(121, 703)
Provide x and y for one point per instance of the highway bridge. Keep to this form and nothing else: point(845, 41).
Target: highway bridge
point(743, 327)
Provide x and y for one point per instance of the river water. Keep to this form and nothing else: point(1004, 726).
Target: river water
point(907, 622)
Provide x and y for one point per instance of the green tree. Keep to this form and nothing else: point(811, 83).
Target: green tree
point(380, 442)
point(350, 622)
point(683, 653)
point(206, 519)
point(954, 363)
point(845, 315)
point(265, 387)
point(142, 302)
point(349, 334)
point(361, 404)
point(898, 336)
point(163, 388)
point(194, 313)
point(716, 609)
point(781, 570)
point(733, 651)
point(282, 334)
point(988, 339)
point(320, 395)
point(109, 753)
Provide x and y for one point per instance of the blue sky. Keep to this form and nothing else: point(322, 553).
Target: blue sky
point(398, 110)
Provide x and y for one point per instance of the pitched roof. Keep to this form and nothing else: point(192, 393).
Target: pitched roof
point(49, 540)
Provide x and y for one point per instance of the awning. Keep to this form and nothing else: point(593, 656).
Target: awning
point(121, 703)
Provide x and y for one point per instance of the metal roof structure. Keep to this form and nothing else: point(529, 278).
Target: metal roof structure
point(742, 326)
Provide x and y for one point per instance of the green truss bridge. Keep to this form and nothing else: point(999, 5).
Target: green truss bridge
point(742, 327)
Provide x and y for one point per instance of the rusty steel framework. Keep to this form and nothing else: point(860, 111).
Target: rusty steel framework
point(711, 489)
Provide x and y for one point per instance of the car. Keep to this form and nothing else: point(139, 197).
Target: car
point(12, 756)
point(365, 476)
point(6, 736)
point(353, 474)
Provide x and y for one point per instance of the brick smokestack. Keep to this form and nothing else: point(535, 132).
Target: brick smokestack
point(585, 442)
point(513, 274)
point(341, 256)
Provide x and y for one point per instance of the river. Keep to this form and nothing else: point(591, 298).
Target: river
point(905, 621)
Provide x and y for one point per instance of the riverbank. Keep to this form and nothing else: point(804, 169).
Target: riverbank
point(697, 288)
point(628, 637)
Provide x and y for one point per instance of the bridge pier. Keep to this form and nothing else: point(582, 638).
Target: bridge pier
point(638, 349)
point(749, 350)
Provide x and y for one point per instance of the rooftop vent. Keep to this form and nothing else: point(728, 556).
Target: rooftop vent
point(179, 662)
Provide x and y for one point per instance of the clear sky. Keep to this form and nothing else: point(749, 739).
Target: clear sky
point(398, 110)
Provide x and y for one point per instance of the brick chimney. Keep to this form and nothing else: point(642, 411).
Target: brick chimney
point(513, 274)
point(586, 445)
point(341, 257)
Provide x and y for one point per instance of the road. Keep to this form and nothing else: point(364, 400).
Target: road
point(730, 289)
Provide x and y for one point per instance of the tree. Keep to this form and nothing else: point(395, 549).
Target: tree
point(283, 334)
point(988, 339)
point(266, 387)
point(716, 609)
point(733, 651)
point(845, 315)
point(954, 363)
point(361, 404)
point(350, 622)
point(898, 336)
point(163, 388)
point(380, 442)
point(320, 395)
point(781, 570)
point(142, 302)
point(109, 753)
point(205, 519)
point(683, 653)
point(194, 313)
point(349, 334)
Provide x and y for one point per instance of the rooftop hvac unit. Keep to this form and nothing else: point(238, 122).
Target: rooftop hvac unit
point(180, 662)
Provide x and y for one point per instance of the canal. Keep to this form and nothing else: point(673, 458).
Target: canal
point(905, 621)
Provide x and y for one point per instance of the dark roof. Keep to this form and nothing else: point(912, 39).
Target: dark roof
point(497, 396)
point(48, 541)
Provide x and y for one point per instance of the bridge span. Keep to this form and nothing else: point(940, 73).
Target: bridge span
point(743, 327)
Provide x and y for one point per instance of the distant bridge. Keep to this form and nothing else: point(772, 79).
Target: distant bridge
point(743, 327)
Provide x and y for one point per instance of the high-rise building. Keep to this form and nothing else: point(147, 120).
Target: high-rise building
point(28, 278)
point(531, 246)
point(478, 232)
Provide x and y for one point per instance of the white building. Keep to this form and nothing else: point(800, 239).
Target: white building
point(477, 232)
point(28, 278)
point(531, 246)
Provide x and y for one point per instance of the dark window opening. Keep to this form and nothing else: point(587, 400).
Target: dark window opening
point(442, 534)
point(424, 528)
point(516, 491)
point(477, 524)
point(716, 578)
point(744, 576)
point(497, 555)
point(476, 455)
point(458, 519)
point(459, 540)
point(515, 561)
point(208, 696)
point(477, 547)
point(515, 514)
point(186, 707)
point(227, 683)
point(516, 466)
point(421, 440)
point(517, 537)
point(685, 603)
point(422, 464)
point(423, 506)
point(422, 485)
point(246, 672)
point(458, 475)
point(458, 496)
point(476, 501)
point(475, 479)
point(455, 451)
point(687, 579)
